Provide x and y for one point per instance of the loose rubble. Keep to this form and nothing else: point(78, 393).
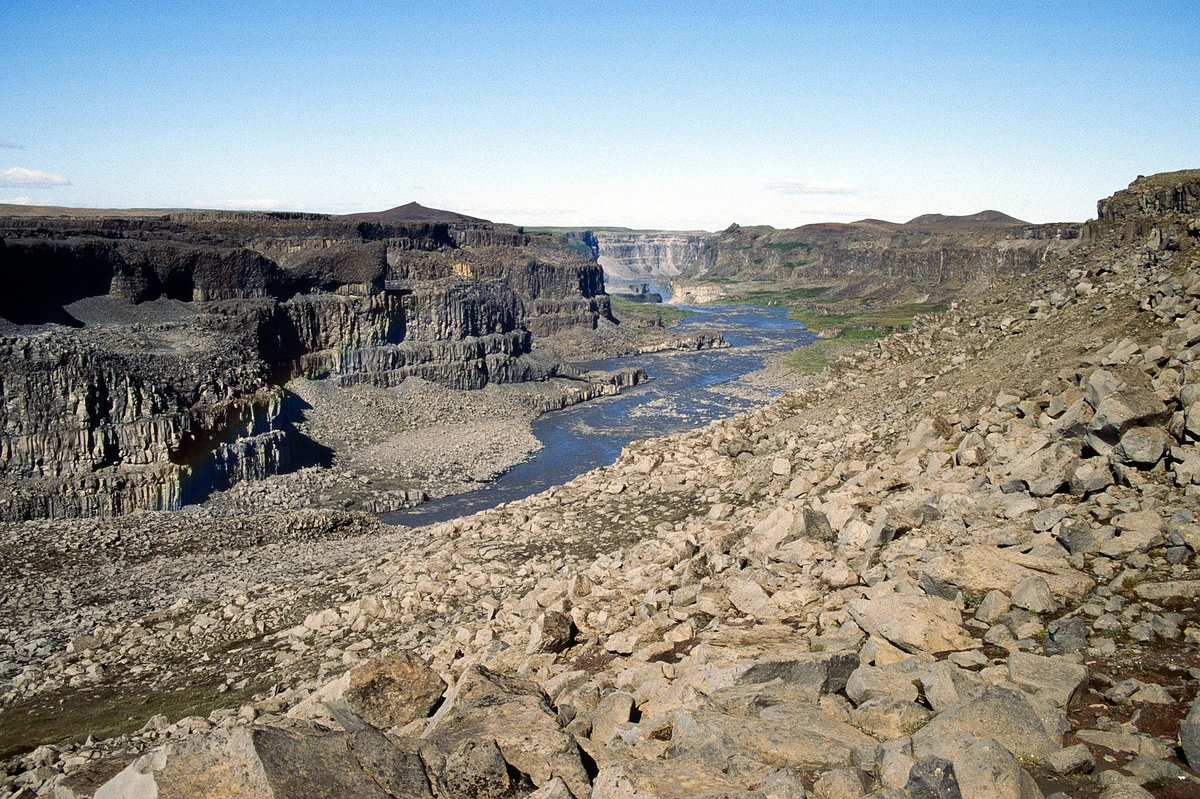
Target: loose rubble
point(961, 563)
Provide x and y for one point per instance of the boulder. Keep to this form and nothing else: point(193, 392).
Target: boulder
point(387, 691)
point(933, 778)
point(517, 715)
point(272, 763)
point(795, 734)
point(913, 623)
point(1189, 735)
point(1142, 446)
point(980, 568)
point(1033, 594)
point(673, 778)
point(1058, 681)
point(804, 676)
point(1023, 724)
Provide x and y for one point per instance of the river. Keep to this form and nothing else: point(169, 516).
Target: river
point(685, 390)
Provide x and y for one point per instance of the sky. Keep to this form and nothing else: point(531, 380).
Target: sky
point(682, 115)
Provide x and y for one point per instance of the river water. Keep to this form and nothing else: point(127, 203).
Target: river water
point(685, 390)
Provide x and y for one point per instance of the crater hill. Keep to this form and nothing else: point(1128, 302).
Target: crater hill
point(143, 355)
point(960, 563)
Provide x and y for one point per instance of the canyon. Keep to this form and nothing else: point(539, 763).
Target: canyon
point(930, 256)
point(958, 562)
point(144, 360)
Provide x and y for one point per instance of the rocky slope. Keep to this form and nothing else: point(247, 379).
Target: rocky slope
point(144, 357)
point(960, 563)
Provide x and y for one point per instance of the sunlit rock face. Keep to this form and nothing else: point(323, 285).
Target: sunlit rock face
point(143, 358)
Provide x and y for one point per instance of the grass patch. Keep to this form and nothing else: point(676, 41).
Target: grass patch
point(74, 714)
point(774, 296)
point(811, 359)
point(649, 314)
point(787, 246)
point(879, 318)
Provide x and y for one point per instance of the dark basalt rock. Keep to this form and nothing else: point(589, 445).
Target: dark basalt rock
point(117, 417)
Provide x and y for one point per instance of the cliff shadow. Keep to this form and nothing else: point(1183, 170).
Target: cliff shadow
point(251, 446)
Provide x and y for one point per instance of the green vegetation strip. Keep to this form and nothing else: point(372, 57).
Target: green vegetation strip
point(774, 296)
point(856, 330)
point(646, 313)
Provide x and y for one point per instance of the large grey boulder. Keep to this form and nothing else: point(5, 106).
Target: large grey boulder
point(517, 715)
point(933, 778)
point(1023, 724)
point(1189, 735)
point(984, 768)
point(387, 691)
point(273, 763)
point(803, 676)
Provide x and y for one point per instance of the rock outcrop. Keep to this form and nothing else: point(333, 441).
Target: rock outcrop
point(145, 363)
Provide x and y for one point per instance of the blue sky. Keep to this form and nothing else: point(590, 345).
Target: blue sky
point(687, 115)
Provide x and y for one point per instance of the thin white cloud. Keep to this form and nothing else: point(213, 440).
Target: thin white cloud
point(20, 176)
point(813, 187)
point(8, 145)
point(19, 201)
point(256, 203)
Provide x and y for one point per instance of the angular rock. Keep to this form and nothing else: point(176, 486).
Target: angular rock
point(933, 778)
point(673, 778)
point(1023, 724)
point(1189, 735)
point(1142, 446)
point(1033, 594)
point(913, 623)
point(517, 715)
point(1055, 680)
point(796, 735)
point(271, 763)
point(980, 568)
point(807, 676)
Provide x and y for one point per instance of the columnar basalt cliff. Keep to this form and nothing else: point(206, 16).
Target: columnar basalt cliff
point(142, 357)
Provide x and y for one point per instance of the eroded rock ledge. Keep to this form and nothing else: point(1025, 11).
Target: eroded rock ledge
point(146, 363)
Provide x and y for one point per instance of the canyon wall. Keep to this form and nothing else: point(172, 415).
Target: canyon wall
point(143, 359)
point(652, 258)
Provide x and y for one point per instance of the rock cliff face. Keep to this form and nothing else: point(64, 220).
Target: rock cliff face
point(103, 415)
point(651, 257)
point(931, 255)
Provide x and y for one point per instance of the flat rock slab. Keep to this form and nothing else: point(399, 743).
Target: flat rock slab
point(980, 568)
point(914, 623)
point(272, 763)
point(1056, 680)
point(1157, 592)
point(797, 735)
point(675, 778)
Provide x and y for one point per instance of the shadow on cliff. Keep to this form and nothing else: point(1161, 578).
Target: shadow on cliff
point(247, 445)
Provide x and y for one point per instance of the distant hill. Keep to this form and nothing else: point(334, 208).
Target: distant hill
point(981, 219)
point(415, 212)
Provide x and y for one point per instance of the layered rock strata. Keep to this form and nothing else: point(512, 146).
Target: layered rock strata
point(103, 415)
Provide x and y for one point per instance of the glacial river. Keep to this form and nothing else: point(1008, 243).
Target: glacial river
point(685, 390)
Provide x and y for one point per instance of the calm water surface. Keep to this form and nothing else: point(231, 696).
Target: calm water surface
point(685, 390)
